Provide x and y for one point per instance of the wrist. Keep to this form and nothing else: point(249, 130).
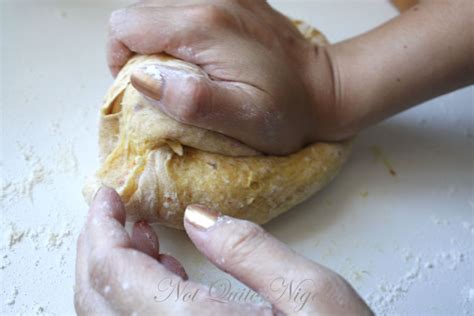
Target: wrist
point(333, 117)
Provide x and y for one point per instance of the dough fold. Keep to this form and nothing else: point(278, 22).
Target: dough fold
point(159, 165)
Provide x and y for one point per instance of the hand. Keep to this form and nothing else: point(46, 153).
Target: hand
point(262, 84)
point(118, 274)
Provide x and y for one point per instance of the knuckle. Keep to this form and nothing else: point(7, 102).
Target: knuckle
point(116, 18)
point(242, 245)
point(211, 14)
point(127, 24)
point(327, 284)
point(100, 268)
point(194, 105)
point(323, 284)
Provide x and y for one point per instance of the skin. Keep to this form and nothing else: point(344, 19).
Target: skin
point(118, 274)
point(271, 90)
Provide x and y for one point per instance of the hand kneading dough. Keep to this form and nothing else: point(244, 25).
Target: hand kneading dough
point(159, 166)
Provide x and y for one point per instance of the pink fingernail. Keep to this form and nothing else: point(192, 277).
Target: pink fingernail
point(200, 216)
point(148, 80)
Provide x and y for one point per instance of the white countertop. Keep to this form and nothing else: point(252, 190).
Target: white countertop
point(405, 242)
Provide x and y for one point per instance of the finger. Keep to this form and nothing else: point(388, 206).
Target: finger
point(149, 30)
point(86, 300)
point(135, 280)
point(105, 223)
point(121, 274)
point(234, 109)
point(106, 204)
point(266, 265)
point(82, 276)
point(145, 240)
point(128, 278)
point(173, 265)
point(117, 55)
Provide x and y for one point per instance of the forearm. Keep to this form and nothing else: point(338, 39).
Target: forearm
point(424, 53)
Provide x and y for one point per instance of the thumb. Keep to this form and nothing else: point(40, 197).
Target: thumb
point(286, 279)
point(190, 96)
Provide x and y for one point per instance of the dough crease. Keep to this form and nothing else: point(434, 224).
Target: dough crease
point(159, 165)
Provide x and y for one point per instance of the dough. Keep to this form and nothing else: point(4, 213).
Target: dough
point(159, 166)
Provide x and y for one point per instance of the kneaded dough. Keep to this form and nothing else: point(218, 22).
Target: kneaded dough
point(159, 166)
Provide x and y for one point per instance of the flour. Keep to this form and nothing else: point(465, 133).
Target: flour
point(438, 221)
point(467, 300)
point(450, 259)
point(468, 226)
point(153, 71)
point(38, 175)
point(54, 128)
point(65, 162)
point(107, 289)
point(13, 297)
point(56, 239)
point(66, 159)
point(41, 237)
point(38, 310)
point(389, 292)
point(14, 236)
point(16, 190)
point(125, 285)
point(4, 261)
point(429, 265)
point(18, 240)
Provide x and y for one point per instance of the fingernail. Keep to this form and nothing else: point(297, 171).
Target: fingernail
point(173, 265)
point(200, 216)
point(148, 80)
point(96, 200)
point(97, 193)
point(145, 240)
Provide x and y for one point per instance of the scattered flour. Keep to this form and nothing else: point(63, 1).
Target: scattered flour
point(450, 259)
point(4, 261)
point(468, 226)
point(467, 300)
point(15, 190)
point(13, 235)
point(388, 293)
point(54, 128)
point(42, 237)
point(56, 239)
point(438, 221)
point(13, 296)
point(59, 241)
point(66, 160)
point(382, 300)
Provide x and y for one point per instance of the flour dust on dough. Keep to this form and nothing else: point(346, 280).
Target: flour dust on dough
point(159, 166)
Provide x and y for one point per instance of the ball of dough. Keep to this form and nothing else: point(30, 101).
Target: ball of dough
point(159, 166)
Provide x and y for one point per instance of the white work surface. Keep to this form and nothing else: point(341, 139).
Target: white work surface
point(405, 242)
